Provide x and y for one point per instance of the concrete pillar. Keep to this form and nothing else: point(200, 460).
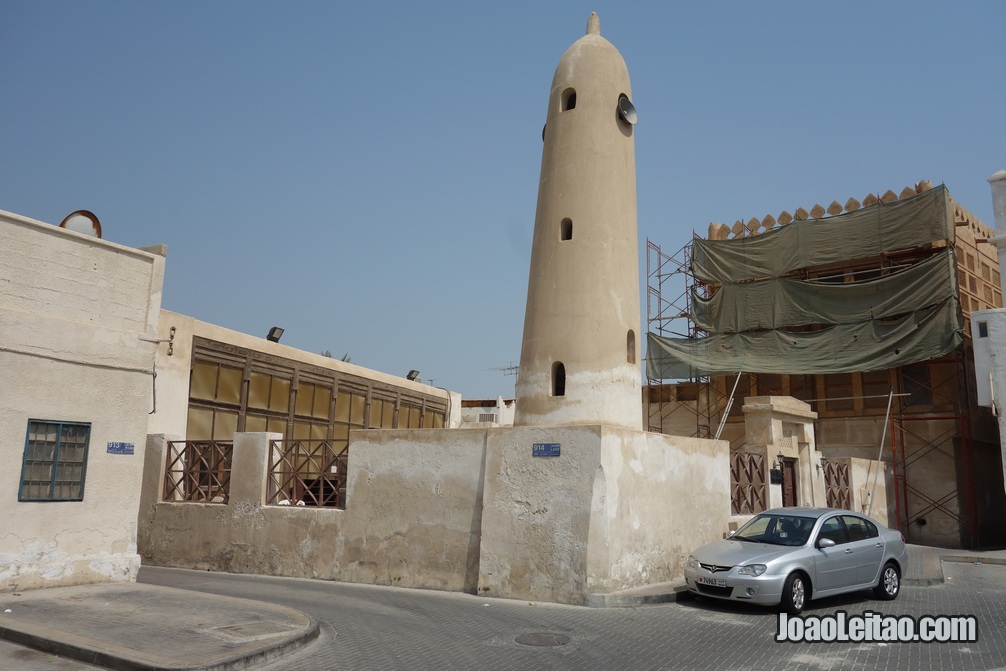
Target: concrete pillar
point(152, 486)
point(580, 359)
point(250, 468)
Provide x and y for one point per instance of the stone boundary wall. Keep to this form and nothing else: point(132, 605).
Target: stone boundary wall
point(469, 510)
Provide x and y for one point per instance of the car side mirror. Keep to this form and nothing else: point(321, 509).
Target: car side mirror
point(825, 543)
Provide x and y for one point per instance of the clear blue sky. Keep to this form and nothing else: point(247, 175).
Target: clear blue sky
point(364, 174)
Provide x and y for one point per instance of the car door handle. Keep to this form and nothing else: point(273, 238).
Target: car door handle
point(848, 552)
point(880, 545)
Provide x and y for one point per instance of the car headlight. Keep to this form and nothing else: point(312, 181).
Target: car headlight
point(752, 569)
point(692, 563)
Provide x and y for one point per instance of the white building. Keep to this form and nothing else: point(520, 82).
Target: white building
point(78, 325)
point(487, 412)
point(988, 327)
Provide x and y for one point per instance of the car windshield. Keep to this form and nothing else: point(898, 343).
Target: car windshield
point(776, 529)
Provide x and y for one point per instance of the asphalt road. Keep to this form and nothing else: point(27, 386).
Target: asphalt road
point(375, 628)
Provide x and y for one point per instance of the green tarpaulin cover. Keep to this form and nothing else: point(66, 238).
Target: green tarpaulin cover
point(783, 302)
point(903, 224)
point(911, 314)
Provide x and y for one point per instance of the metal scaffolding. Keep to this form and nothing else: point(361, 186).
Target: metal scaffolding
point(696, 406)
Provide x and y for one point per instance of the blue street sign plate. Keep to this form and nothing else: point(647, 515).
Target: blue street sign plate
point(545, 450)
point(121, 448)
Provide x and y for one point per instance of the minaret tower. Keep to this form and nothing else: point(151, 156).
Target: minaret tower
point(579, 361)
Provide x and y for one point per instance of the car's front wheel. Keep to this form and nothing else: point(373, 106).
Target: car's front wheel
point(889, 585)
point(794, 594)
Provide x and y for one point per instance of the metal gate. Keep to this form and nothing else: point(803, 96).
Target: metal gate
point(836, 484)
point(747, 483)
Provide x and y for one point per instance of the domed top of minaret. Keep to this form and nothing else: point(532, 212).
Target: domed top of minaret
point(590, 60)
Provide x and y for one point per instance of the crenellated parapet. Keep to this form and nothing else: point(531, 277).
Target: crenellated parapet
point(754, 226)
point(977, 260)
point(964, 219)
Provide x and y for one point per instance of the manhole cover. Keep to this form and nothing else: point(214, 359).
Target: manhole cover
point(542, 639)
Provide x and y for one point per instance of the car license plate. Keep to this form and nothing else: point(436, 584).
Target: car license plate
point(715, 582)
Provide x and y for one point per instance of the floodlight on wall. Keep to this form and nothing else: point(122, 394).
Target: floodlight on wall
point(275, 333)
point(413, 375)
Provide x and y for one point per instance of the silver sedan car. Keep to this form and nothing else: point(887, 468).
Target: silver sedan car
point(786, 556)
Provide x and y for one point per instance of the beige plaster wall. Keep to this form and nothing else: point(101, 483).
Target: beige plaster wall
point(464, 510)
point(414, 501)
point(172, 375)
point(617, 509)
point(77, 316)
point(412, 515)
point(665, 497)
point(243, 536)
point(536, 517)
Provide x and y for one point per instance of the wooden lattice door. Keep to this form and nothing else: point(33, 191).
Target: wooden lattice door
point(747, 483)
point(836, 484)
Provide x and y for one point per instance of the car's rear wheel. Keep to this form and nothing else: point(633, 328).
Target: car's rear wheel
point(889, 585)
point(794, 594)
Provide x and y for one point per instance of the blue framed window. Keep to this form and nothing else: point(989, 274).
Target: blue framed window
point(55, 461)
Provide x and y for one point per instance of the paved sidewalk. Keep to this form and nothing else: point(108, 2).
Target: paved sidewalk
point(925, 564)
point(132, 626)
point(136, 626)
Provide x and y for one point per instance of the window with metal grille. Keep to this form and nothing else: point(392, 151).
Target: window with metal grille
point(198, 471)
point(55, 461)
point(487, 417)
point(307, 473)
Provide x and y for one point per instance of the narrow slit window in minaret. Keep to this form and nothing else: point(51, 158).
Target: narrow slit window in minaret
point(630, 347)
point(558, 379)
point(566, 229)
point(568, 99)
